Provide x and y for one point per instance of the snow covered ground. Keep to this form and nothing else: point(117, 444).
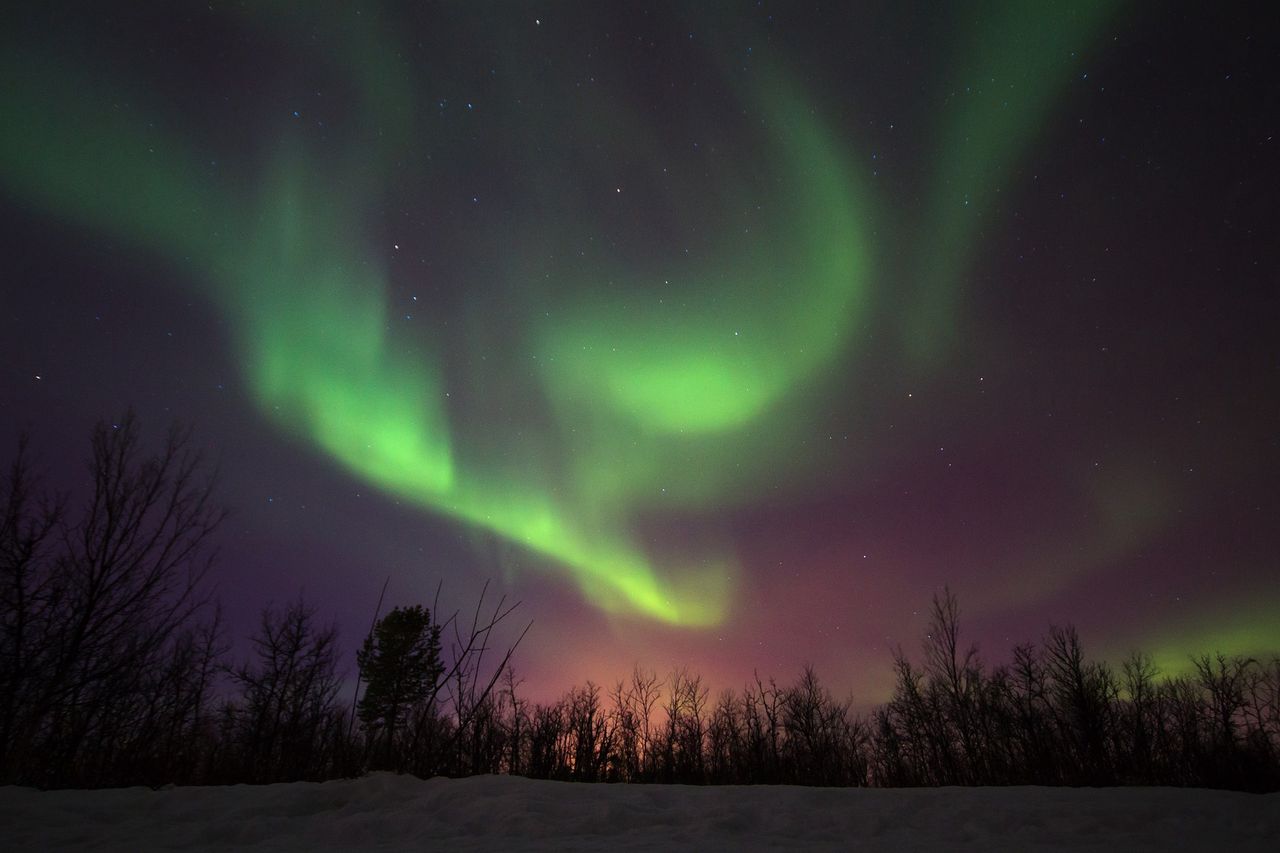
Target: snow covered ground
point(387, 813)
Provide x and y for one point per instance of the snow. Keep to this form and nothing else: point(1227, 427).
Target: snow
point(385, 812)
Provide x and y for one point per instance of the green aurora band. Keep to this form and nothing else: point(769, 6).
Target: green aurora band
point(721, 378)
point(1013, 65)
point(761, 321)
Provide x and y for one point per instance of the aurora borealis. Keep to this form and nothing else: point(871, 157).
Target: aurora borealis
point(720, 335)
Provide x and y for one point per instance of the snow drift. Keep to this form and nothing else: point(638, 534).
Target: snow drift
point(387, 813)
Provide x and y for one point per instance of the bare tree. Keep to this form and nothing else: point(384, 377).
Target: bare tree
point(105, 600)
point(1138, 673)
point(288, 695)
point(518, 725)
point(954, 677)
point(726, 741)
point(29, 597)
point(683, 738)
point(1083, 703)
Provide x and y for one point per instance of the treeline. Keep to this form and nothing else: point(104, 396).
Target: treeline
point(114, 665)
point(109, 649)
point(1050, 717)
point(114, 670)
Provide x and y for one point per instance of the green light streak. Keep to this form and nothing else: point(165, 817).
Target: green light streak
point(115, 178)
point(1248, 627)
point(751, 328)
point(646, 403)
point(312, 331)
point(1014, 67)
point(318, 352)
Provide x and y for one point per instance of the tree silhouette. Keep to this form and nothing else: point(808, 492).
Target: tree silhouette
point(401, 666)
point(288, 694)
point(96, 603)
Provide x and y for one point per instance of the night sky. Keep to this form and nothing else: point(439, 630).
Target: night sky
point(719, 335)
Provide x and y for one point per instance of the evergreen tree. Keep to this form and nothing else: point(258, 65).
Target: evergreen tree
point(401, 666)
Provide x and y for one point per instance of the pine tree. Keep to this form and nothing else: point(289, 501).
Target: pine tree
point(401, 666)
